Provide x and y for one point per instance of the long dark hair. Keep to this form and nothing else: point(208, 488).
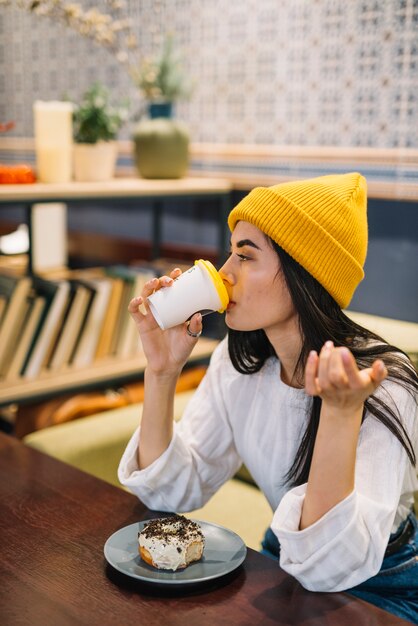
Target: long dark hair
point(321, 319)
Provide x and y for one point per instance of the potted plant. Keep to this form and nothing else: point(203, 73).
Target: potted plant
point(96, 124)
point(161, 142)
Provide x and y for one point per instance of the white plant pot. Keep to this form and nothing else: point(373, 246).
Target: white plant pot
point(94, 162)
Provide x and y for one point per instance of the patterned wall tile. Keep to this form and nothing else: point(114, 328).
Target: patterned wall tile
point(317, 72)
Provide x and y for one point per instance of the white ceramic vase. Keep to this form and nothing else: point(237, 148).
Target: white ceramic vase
point(94, 162)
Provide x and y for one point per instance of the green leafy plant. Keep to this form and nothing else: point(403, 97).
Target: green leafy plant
point(162, 79)
point(95, 119)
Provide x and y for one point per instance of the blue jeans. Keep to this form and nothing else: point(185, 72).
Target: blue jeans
point(394, 588)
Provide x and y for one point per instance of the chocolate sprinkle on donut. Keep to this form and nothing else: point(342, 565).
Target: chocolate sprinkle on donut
point(178, 525)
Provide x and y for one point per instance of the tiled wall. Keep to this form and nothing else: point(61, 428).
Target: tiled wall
point(305, 72)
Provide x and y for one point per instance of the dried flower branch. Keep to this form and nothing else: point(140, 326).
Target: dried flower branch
point(159, 79)
point(162, 79)
point(112, 30)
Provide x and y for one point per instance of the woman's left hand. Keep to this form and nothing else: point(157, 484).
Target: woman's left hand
point(334, 376)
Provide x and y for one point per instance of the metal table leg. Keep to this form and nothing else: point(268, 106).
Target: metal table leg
point(157, 212)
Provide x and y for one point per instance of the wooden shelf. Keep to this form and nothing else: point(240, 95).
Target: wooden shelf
point(111, 371)
point(116, 188)
point(106, 371)
point(130, 190)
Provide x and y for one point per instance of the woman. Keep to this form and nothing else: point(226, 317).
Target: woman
point(322, 411)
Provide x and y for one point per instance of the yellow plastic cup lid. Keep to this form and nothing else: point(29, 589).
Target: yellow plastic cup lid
point(217, 281)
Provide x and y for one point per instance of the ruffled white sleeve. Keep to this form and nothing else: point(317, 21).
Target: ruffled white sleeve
point(346, 546)
point(201, 455)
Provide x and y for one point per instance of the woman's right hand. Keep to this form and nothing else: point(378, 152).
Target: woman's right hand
point(166, 350)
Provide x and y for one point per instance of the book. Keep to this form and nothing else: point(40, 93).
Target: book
point(3, 304)
point(86, 347)
point(129, 342)
point(56, 294)
point(73, 324)
point(15, 334)
point(124, 340)
point(16, 290)
point(127, 276)
point(30, 326)
point(111, 318)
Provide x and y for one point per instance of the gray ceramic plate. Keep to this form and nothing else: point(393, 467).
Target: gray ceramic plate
point(224, 551)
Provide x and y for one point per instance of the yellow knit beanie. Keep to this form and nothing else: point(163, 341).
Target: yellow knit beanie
point(321, 222)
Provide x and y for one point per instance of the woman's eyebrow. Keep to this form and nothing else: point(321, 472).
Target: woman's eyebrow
point(246, 242)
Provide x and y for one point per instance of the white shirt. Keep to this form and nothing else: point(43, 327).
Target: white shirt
point(258, 420)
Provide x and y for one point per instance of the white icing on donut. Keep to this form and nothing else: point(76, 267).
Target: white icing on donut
point(167, 540)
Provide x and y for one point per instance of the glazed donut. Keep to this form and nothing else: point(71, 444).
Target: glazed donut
point(171, 542)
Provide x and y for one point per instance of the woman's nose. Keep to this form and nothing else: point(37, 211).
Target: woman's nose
point(225, 272)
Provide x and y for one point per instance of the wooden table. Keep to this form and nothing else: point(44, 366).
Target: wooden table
point(54, 521)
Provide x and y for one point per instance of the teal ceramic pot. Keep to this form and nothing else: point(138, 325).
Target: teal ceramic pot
point(160, 109)
point(161, 145)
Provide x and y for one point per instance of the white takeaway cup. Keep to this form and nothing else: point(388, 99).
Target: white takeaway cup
point(198, 289)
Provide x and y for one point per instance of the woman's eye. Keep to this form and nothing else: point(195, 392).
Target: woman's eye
point(242, 257)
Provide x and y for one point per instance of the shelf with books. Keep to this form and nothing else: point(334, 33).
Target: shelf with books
point(107, 371)
point(70, 330)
